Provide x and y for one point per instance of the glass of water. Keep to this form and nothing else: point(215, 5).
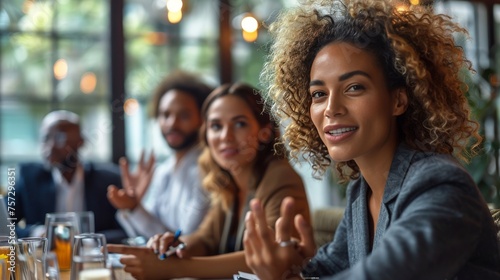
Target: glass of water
point(32, 252)
point(89, 256)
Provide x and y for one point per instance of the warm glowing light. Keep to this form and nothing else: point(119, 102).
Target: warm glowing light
point(249, 24)
point(415, 2)
point(174, 5)
point(174, 17)
point(131, 106)
point(60, 69)
point(88, 83)
point(250, 36)
point(402, 8)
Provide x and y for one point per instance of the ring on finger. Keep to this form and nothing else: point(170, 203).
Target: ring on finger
point(288, 243)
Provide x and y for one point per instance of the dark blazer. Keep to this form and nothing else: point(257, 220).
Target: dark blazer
point(35, 195)
point(433, 224)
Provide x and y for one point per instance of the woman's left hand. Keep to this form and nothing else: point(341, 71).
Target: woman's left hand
point(143, 263)
point(275, 256)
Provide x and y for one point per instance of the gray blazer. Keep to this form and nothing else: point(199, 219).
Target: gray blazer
point(433, 224)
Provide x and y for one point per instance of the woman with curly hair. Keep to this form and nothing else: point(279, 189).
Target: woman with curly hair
point(241, 161)
point(377, 91)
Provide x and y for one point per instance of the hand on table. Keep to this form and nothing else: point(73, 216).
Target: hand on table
point(263, 253)
point(143, 263)
point(160, 243)
point(135, 184)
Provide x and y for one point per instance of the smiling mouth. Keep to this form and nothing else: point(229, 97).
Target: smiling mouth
point(340, 131)
point(229, 151)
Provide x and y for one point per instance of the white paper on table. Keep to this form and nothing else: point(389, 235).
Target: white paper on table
point(245, 276)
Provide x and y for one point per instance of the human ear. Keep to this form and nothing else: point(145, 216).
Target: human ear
point(265, 134)
point(400, 102)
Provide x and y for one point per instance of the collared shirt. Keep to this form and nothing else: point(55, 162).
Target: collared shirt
point(69, 195)
point(175, 200)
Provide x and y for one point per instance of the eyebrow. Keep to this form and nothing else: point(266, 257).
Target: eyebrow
point(239, 117)
point(353, 73)
point(342, 77)
point(232, 119)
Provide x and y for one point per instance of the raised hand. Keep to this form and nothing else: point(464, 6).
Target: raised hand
point(120, 199)
point(135, 184)
point(275, 255)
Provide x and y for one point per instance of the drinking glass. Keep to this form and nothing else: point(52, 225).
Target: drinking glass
point(61, 229)
point(31, 257)
point(8, 254)
point(89, 253)
point(86, 221)
point(51, 267)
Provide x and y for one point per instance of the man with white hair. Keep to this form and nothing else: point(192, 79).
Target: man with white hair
point(62, 183)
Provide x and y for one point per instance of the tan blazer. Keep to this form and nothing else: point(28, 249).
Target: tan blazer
point(279, 181)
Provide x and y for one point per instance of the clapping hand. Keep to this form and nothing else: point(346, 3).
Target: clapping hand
point(275, 255)
point(135, 184)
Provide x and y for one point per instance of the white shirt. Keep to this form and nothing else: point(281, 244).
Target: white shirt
point(175, 200)
point(69, 195)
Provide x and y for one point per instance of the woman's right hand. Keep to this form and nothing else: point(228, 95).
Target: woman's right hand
point(277, 256)
point(161, 242)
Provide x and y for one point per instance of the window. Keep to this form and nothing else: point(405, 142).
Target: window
point(53, 56)
point(56, 55)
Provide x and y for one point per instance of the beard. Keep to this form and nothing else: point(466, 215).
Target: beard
point(189, 140)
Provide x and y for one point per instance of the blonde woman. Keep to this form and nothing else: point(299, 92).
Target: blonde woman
point(241, 161)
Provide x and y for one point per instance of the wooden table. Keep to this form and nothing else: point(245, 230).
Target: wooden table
point(119, 274)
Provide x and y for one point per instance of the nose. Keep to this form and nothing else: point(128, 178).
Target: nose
point(227, 133)
point(171, 122)
point(335, 106)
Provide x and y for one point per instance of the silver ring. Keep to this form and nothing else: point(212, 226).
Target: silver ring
point(289, 243)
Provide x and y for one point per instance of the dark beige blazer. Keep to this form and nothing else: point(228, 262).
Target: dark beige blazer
point(279, 180)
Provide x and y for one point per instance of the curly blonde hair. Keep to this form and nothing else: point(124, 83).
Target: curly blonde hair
point(218, 181)
point(416, 51)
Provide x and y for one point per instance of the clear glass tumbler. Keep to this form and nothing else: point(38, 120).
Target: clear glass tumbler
point(90, 257)
point(32, 252)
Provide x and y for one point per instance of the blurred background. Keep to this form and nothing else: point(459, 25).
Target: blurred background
point(103, 58)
